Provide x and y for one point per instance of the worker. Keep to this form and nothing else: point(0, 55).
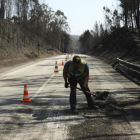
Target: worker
point(76, 71)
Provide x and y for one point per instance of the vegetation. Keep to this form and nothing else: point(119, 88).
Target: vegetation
point(27, 23)
point(36, 19)
point(128, 18)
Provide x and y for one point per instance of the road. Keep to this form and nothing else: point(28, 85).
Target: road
point(47, 115)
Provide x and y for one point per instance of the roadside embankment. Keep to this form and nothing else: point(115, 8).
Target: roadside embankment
point(17, 45)
point(122, 43)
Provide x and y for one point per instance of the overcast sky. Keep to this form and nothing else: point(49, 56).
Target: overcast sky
point(81, 14)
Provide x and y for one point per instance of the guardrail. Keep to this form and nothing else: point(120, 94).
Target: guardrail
point(130, 69)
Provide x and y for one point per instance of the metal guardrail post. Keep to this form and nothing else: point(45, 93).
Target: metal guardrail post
point(128, 68)
point(129, 65)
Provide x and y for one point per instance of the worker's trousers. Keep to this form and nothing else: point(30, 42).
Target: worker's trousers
point(73, 83)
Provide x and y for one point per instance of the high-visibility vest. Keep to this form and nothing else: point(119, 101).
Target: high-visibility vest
point(79, 73)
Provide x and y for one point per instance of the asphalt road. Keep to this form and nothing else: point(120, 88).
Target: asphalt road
point(47, 115)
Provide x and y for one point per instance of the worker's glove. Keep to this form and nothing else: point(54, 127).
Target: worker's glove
point(66, 85)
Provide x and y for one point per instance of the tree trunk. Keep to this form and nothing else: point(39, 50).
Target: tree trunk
point(138, 16)
point(126, 14)
point(132, 21)
point(2, 9)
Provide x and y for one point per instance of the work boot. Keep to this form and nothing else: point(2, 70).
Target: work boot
point(74, 111)
point(92, 105)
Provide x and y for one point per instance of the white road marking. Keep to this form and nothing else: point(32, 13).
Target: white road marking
point(43, 86)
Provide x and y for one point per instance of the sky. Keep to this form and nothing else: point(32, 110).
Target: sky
point(81, 14)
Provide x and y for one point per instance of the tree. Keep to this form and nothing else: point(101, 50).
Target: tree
point(112, 19)
point(130, 12)
point(39, 20)
point(86, 41)
point(124, 5)
point(2, 9)
point(102, 31)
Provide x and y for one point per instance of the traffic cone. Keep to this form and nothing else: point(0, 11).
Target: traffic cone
point(56, 68)
point(25, 95)
point(62, 63)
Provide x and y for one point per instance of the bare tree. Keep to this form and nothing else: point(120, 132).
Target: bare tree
point(2, 9)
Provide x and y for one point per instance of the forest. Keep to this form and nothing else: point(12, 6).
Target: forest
point(38, 20)
point(23, 21)
point(125, 15)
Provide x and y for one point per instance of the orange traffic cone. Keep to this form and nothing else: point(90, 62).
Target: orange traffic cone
point(62, 63)
point(25, 95)
point(56, 68)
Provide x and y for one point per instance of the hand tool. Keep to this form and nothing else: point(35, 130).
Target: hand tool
point(99, 95)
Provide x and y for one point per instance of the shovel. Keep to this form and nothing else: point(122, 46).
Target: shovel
point(99, 96)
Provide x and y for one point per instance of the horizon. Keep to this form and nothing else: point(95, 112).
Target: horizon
point(81, 15)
